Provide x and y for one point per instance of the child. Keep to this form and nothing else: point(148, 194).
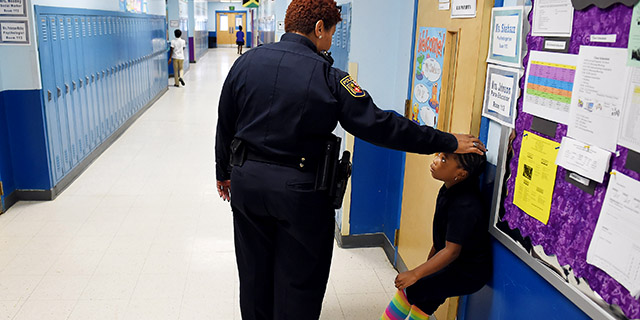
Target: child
point(459, 262)
point(177, 55)
point(240, 39)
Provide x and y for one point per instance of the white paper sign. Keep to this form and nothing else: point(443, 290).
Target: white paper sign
point(463, 8)
point(629, 135)
point(500, 94)
point(552, 18)
point(12, 8)
point(14, 32)
point(589, 161)
point(443, 6)
point(615, 246)
point(505, 35)
point(598, 98)
point(549, 85)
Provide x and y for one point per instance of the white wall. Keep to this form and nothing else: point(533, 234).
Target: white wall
point(281, 12)
point(381, 35)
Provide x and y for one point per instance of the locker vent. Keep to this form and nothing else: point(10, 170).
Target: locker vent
point(69, 28)
point(61, 29)
point(54, 35)
point(43, 23)
point(77, 28)
point(84, 28)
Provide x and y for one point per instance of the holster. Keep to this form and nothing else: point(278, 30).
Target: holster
point(238, 153)
point(333, 173)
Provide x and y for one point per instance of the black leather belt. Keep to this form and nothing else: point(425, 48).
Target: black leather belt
point(302, 163)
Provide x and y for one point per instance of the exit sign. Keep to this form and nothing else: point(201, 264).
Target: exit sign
point(232, 8)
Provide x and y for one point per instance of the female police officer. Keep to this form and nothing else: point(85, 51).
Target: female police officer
point(278, 105)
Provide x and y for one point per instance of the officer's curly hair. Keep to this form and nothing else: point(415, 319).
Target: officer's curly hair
point(302, 15)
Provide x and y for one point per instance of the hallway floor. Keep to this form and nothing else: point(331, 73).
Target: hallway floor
point(142, 233)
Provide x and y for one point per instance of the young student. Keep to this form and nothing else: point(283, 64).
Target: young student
point(240, 39)
point(177, 55)
point(459, 262)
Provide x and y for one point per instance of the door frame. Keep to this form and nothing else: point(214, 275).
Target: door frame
point(244, 26)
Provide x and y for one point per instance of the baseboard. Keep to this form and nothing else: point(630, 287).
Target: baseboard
point(9, 200)
point(367, 241)
point(40, 195)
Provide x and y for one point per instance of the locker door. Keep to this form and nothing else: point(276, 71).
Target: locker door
point(80, 83)
point(129, 59)
point(60, 98)
point(90, 80)
point(100, 88)
point(49, 92)
point(85, 85)
point(107, 69)
point(74, 91)
point(66, 89)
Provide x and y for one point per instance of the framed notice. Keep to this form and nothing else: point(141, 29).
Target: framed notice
point(505, 42)
point(13, 8)
point(500, 94)
point(14, 32)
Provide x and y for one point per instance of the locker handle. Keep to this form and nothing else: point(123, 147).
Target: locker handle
point(87, 77)
point(59, 92)
point(74, 85)
point(93, 78)
point(66, 87)
point(81, 81)
point(49, 95)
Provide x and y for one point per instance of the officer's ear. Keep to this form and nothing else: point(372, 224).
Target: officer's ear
point(319, 29)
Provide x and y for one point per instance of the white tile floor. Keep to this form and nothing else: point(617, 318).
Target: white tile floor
point(142, 234)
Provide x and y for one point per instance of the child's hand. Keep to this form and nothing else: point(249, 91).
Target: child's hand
point(406, 279)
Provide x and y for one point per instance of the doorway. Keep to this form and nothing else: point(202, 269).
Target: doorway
point(227, 24)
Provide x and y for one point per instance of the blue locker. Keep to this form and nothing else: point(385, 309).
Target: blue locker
point(81, 88)
point(85, 84)
point(118, 64)
point(74, 95)
point(88, 46)
point(49, 92)
point(97, 72)
point(65, 85)
point(60, 98)
point(106, 67)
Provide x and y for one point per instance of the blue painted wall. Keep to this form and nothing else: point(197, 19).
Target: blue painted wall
point(517, 292)
point(6, 168)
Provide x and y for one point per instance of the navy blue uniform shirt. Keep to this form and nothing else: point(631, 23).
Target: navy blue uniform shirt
point(284, 99)
point(461, 218)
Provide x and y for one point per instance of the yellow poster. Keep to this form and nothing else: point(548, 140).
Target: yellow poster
point(536, 176)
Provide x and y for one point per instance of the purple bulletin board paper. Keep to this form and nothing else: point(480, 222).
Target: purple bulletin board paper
point(574, 213)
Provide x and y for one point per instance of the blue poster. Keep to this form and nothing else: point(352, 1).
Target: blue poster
point(428, 65)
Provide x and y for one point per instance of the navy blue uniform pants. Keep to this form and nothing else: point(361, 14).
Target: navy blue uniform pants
point(283, 233)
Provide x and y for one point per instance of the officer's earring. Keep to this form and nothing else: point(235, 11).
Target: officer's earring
point(456, 179)
point(320, 37)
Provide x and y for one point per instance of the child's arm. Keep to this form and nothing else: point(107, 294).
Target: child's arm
point(432, 252)
point(440, 260)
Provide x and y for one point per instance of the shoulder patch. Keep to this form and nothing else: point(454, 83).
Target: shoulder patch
point(351, 86)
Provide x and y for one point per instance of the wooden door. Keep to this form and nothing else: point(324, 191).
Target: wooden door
point(460, 105)
point(228, 23)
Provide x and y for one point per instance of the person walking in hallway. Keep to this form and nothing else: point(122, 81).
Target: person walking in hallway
point(240, 39)
point(177, 55)
point(278, 106)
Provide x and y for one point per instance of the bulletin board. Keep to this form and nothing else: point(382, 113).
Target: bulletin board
point(574, 212)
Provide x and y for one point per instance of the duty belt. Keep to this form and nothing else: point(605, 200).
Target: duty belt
point(302, 163)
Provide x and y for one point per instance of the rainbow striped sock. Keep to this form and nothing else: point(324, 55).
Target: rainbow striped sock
point(398, 308)
point(417, 314)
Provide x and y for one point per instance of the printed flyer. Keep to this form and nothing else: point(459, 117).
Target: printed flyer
point(427, 73)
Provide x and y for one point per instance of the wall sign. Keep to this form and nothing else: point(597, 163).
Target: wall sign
point(505, 42)
point(501, 93)
point(13, 8)
point(14, 32)
point(428, 76)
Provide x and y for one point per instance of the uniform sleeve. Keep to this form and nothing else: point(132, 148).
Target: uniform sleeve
point(359, 115)
point(461, 223)
point(172, 44)
point(225, 129)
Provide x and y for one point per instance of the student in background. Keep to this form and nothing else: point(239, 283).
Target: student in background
point(177, 55)
point(240, 39)
point(459, 262)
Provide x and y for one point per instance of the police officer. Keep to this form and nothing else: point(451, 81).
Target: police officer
point(278, 106)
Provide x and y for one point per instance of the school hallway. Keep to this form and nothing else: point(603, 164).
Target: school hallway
point(142, 233)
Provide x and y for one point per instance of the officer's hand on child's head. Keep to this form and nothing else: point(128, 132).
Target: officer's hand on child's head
point(469, 144)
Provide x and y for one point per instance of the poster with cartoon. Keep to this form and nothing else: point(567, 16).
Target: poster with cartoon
point(427, 74)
